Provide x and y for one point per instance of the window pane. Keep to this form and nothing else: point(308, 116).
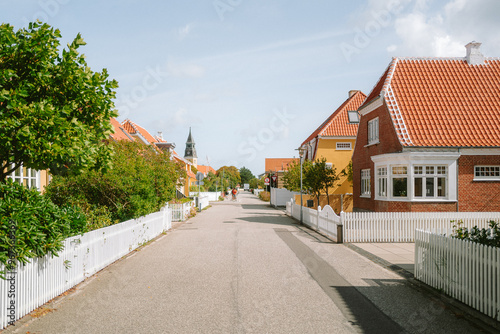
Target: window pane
point(441, 191)
point(429, 187)
point(429, 170)
point(418, 170)
point(399, 187)
point(401, 170)
point(418, 187)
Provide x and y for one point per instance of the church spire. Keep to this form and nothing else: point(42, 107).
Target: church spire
point(190, 152)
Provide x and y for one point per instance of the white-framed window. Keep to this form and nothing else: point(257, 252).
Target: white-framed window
point(429, 181)
point(486, 173)
point(416, 176)
point(353, 116)
point(382, 181)
point(344, 146)
point(27, 177)
point(399, 181)
point(365, 183)
point(373, 131)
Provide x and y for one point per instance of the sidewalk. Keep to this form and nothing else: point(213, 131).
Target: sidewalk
point(390, 255)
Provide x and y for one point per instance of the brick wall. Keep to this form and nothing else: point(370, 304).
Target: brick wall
point(389, 143)
point(477, 195)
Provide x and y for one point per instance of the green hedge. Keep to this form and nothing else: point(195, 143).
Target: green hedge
point(32, 226)
point(485, 236)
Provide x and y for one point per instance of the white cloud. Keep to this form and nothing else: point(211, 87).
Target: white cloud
point(444, 29)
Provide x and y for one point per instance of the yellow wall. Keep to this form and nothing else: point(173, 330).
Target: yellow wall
point(339, 158)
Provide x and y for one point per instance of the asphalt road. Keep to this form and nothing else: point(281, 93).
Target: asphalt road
point(243, 267)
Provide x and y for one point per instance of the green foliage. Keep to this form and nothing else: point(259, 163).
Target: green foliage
point(141, 181)
point(254, 183)
point(246, 175)
point(348, 171)
point(54, 111)
point(317, 177)
point(38, 225)
point(265, 196)
point(230, 176)
point(485, 236)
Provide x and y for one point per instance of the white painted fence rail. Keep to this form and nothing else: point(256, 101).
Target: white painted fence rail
point(212, 195)
point(387, 226)
point(45, 278)
point(180, 212)
point(279, 197)
point(401, 226)
point(323, 220)
point(466, 271)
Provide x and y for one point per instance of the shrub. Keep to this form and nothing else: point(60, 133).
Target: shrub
point(140, 182)
point(265, 196)
point(32, 226)
point(485, 236)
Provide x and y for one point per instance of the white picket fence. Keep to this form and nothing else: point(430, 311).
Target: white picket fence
point(466, 271)
point(324, 220)
point(45, 278)
point(401, 226)
point(180, 212)
point(386, 226)
point(212, 195)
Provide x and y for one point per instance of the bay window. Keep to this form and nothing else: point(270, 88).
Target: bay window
point(417, 176)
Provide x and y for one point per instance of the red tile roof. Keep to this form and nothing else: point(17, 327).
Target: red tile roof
point(337, 124)
point(119, 132)
point(442, 102)
point(135, 129)
point(277, 164)
point(205, 169)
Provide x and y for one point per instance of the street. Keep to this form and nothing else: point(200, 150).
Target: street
point(244, 267)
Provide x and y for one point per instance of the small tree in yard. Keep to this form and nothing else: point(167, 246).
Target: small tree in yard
point(54, 111)
point(320, 178)
point(317, 177)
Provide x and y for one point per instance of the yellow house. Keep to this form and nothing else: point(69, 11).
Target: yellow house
point(334, 139)
point(31, 178)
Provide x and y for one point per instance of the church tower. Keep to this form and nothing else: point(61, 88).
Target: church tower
point(190, 153)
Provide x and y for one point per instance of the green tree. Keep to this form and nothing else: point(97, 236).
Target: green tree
point(54, 111)
point(291, 178)
point(320, 178)
point(140, 181)
point(254, 183)
point(246, 175)
point(230, 176)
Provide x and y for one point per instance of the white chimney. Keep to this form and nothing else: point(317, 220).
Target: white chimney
point(352, 92)
point(160, 135)
point(474, 56)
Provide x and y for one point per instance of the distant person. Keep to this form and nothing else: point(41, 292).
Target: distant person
point(234, 192)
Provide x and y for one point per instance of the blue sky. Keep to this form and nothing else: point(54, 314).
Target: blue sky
point(253, 78)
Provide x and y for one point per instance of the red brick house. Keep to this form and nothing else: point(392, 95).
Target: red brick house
point(429, 136)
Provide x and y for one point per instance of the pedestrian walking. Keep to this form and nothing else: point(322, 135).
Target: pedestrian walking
point(234, 192)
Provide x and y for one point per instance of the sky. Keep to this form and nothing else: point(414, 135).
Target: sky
point(253, 78)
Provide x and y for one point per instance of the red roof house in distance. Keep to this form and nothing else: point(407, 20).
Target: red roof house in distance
point(278, 166)
point(119, 133)
point(429, 136)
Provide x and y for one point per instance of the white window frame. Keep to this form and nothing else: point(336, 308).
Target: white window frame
point(419, 159)
point(343, 146)
point(373, 131)
point(489, 173)
point(381, 182)
point(27, 177)
point(365, 183)
point(430, 175)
